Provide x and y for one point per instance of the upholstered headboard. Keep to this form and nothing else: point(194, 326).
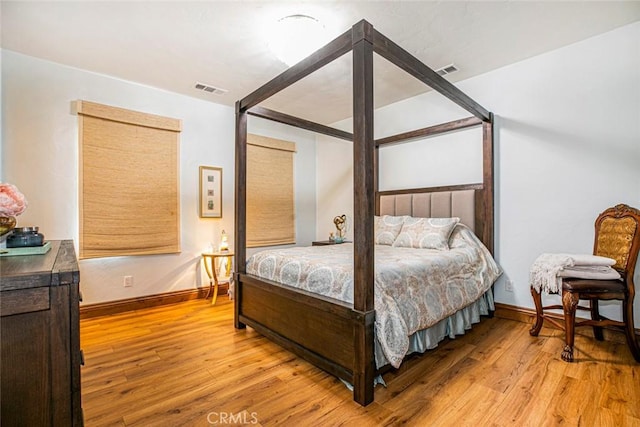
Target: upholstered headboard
point(440, 204)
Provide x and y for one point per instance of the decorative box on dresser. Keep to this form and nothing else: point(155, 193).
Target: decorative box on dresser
point(40, 327)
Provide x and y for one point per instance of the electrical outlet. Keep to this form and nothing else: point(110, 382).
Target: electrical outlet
point(508, 286)
point(128, 281)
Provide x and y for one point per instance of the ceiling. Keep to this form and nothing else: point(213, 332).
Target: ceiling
point(174, 44)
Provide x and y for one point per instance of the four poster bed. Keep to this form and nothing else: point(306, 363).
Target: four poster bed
point(340, 330)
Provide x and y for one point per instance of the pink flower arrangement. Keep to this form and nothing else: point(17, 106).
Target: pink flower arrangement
point(12, 201)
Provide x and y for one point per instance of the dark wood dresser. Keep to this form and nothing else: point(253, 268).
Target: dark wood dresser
point(40, 326)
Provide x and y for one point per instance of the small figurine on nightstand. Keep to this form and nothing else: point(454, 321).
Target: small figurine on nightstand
point(340, 223)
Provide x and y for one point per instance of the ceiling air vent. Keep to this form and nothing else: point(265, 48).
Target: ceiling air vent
point(210, 89)
point(447, 70)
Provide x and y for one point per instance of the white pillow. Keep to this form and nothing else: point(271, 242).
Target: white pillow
point(426, 233)
point(387, 228)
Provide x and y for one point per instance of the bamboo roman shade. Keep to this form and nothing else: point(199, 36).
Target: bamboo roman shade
point(129, 194)
point(270, 190)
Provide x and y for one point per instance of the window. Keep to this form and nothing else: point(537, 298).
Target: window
point(270, 192)
point(129, 194)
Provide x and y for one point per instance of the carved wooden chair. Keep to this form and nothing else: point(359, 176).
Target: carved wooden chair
point(617, 236)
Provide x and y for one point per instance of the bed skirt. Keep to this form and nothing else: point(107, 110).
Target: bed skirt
point(456, 324)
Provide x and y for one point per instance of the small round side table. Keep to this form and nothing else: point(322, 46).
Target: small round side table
point(211, 267)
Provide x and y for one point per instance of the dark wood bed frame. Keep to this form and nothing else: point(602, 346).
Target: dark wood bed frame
point(333, 335)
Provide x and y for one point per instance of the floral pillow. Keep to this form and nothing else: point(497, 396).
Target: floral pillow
point(387, 228)
point(426, 233)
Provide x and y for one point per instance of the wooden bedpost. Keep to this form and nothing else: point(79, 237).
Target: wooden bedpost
point(363, 210)
point(240, 239)
point(487, 183)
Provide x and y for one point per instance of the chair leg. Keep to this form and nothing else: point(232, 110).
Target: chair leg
point(632, 340)
point(569, 304)
point(595, 315)
point(537, 300)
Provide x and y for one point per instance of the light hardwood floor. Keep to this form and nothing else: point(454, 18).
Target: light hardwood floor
point(185, 365)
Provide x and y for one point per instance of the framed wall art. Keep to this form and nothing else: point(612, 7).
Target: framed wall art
point(210, 192)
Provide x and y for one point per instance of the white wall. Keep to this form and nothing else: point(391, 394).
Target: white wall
point(567, 147)
point(40, 156)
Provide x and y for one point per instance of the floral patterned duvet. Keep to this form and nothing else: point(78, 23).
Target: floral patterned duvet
point(414, 288)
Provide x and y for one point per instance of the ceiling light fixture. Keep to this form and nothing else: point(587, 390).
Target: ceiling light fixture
point(295, 37)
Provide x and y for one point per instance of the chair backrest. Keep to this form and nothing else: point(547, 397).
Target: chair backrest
point(618, 237)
